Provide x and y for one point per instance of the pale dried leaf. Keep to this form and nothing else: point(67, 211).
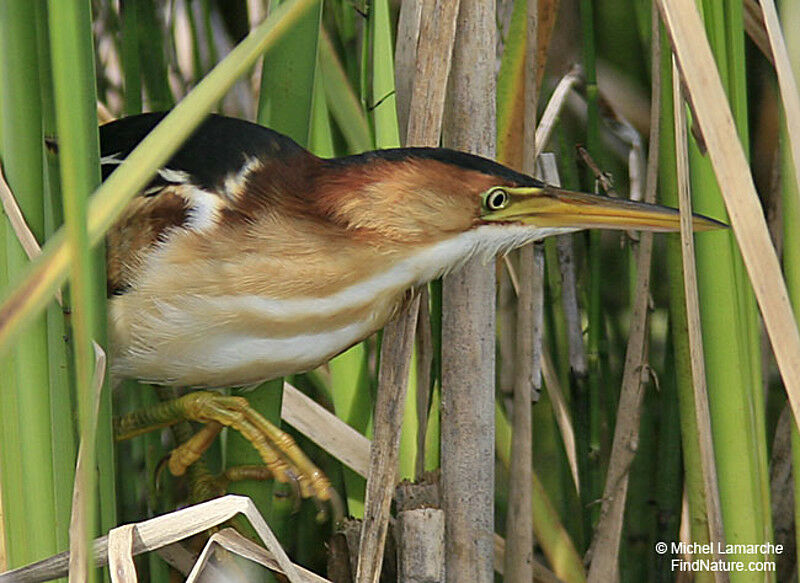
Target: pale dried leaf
point(325, 429)
point(234, 542)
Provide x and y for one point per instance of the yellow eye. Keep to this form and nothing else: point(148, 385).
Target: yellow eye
point(495, 199)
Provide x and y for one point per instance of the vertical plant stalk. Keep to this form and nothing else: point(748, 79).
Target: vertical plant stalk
point(787, 82)
point(409, 22)
point(285, 104)
point(713, 510)
point(551, 535)
point(734, 389)
point(398, 340)
point(387, 135)
point(519, 530)
point(791, 229)
point(62, 379)
point(427, 99)
point(468, 322)
point(131, 63)
point(27, 466)
point(75, 99)
point(424, 385)
point(439, 23)
point(528, 369)
point(606, 543)
point(5, 361)
point(351, 393)
point(714, 118)
point(694, 483)
point(587, 398)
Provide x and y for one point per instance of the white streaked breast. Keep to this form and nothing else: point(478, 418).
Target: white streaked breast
point(204, 340)
point(415, 270)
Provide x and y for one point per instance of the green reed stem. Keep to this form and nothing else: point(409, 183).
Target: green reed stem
point(28, 487)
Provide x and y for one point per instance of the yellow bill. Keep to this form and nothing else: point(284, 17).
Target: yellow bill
point(548, 206)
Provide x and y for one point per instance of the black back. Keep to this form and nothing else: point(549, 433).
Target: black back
point(217, 148)
point(221, 145)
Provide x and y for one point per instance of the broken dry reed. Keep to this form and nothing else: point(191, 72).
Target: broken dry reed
point(160, 534)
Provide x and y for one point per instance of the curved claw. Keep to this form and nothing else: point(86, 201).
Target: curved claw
point(278, 450)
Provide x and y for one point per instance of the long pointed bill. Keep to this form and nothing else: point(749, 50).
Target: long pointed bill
point(554, 207)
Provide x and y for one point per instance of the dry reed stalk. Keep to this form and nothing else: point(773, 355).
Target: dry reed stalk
point(420, 538)
point(436, 37)
point(755, 28)
point(561, 413)
point(315, 422)
point(468, 322)
point(425, 350)
point(405, 58)
point(419, 531)
point(79, 560)
point(234, 542)
point(398, 340)
point(553, 109)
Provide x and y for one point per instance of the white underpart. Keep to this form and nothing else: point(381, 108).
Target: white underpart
point(206, 346)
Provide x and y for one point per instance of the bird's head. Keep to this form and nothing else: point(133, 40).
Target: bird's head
point(426, 195)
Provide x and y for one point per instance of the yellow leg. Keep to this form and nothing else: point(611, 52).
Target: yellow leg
point(281, 455)
point(279, 451)
point(193, 449)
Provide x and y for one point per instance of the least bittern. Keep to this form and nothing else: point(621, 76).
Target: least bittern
point(248, 258)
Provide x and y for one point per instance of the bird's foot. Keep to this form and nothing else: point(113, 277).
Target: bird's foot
point(284, 460)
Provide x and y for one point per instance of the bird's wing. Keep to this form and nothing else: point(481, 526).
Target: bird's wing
point(199, 180)
point(219, 148)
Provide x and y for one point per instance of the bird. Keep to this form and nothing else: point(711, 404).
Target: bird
point(248, 258)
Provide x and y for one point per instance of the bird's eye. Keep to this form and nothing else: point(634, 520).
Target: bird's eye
point(495, 199)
